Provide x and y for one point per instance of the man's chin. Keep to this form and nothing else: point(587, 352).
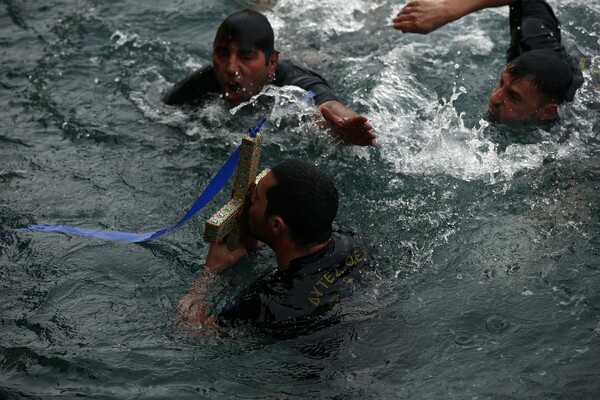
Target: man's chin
point(233, 99)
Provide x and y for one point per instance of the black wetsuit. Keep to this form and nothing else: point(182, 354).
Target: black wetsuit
point(198, 86)
point(311, 285)
point(533, 26)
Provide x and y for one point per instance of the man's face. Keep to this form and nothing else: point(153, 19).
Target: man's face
point(256, 224)
point(241, 74)
point(516, 101)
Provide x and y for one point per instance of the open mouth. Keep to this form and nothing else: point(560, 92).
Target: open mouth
point(233, 91)
point(233, 87)
point(493, 114)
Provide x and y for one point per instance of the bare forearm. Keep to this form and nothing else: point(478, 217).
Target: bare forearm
point(192, 306)
point(424, 16)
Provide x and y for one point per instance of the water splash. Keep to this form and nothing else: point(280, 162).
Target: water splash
point(285, 102)
point(442, 144)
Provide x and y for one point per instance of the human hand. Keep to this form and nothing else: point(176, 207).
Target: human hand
point(423, 16)
point(355, 130)
point(219, 257)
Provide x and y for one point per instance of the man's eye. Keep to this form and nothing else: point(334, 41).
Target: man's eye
point(221, 53)
point(248, 57)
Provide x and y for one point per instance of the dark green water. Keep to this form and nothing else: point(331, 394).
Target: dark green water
point(489, 247)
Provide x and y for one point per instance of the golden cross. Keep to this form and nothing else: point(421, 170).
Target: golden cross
point(224, 223)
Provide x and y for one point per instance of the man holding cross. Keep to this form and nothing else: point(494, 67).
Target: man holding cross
point(291, 210)
point(245, 61)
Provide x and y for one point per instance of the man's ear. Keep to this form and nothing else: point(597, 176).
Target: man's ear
point(548, 111)
point(276, 225)
point(272, 64)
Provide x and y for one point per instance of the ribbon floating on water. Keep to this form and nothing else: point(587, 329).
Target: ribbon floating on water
point(215, 185)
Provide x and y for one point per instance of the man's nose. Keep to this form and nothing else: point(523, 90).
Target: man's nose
point(233, 66)
point(497, 96)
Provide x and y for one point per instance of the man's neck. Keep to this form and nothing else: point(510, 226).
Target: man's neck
point(289, 251)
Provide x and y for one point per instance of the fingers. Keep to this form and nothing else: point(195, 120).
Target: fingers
point(359, 132)
point(406, 23)
point(361, 137)
point(219, 257)
point(369, 139)
point(406, 15)
point(357, 122)
point(355, 130)
point(415, 18)
point(239, 253)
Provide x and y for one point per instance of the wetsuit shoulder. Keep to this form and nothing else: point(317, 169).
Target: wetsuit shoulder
point(310, 287)
point(194, 88)
point(291, 73)
point(533, 26)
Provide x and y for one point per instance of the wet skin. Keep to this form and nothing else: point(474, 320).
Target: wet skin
point(241, 73)
point(518, 100)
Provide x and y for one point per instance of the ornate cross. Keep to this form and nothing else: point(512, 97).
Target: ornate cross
point(224, 224)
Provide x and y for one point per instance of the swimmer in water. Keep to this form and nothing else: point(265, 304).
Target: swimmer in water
point(539, 75)
point(245, 61)
point(291, 210)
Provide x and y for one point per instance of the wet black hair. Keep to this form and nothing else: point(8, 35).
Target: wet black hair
point(250, 29)
point(305, 198)
point(547, 70)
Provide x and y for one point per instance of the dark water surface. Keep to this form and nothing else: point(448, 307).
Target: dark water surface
point(489, 246)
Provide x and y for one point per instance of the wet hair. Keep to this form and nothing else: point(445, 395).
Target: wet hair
point(549, 72)
point(250, 29)
point(305, 198)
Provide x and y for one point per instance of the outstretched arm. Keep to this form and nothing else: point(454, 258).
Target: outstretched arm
point(192, 307)
point(346, 123)
point(424, 16)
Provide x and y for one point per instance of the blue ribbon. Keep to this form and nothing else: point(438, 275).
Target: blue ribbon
point(215, 185)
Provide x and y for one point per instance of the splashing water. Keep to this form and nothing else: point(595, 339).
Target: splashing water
point(465, 153)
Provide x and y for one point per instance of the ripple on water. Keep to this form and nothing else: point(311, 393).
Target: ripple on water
point(497, 324)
